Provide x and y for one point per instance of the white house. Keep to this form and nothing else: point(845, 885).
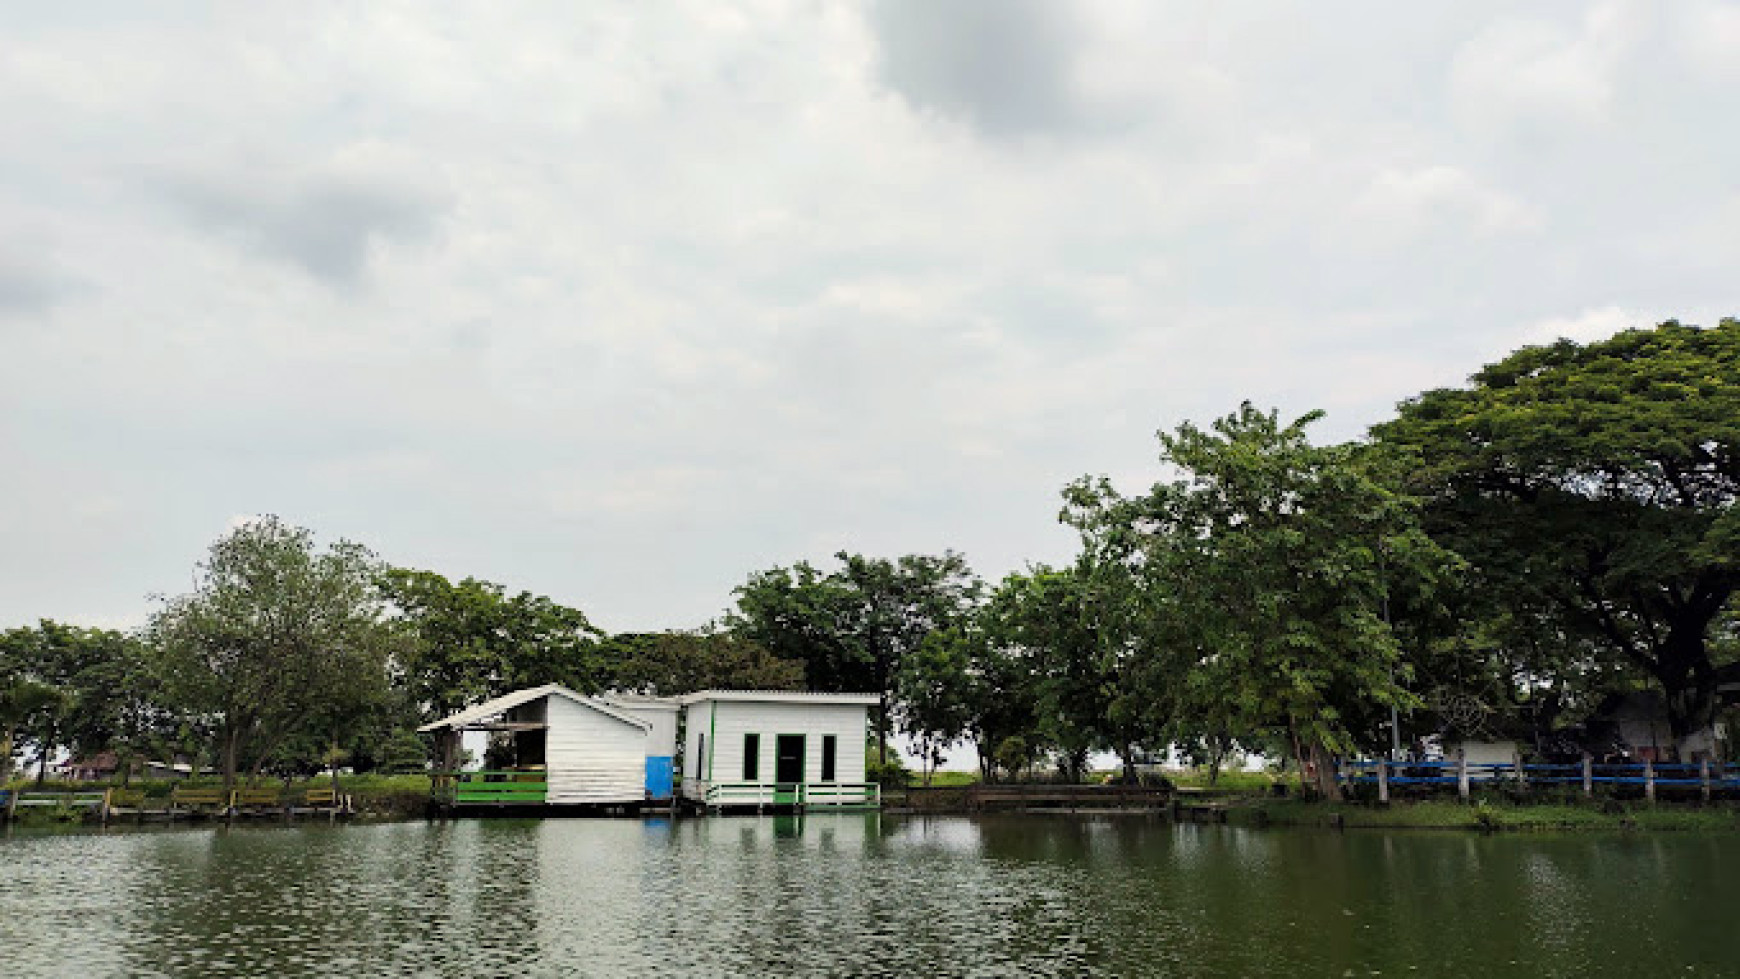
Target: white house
point(568, 749)
point(776, 748)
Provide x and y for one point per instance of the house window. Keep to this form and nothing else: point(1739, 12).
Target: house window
point(828, 743)
point(700, 754)
point(751, 757)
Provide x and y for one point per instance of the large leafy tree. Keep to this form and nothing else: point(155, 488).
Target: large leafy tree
point(276, 631)
point(853, 627)
point(1273, 558)
point(472, 640)
point(1599, 481)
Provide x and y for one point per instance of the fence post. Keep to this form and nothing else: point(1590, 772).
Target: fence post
point(1383, 780)
point(1462, 772)
point(1522, 779)
point(1649, 779)
point(103, 813)
point(1704, 778)
point(1588, 775)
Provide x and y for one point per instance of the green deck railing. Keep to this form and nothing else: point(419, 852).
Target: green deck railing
point(492, 788)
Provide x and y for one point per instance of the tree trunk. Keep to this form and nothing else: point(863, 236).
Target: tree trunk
point(1688, 679)
point(882, 730)
point(1323, 772)
point(232, 749)
point(42, 760)
point(5, 756)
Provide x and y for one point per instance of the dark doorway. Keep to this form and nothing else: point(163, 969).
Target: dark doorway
point(788, 761)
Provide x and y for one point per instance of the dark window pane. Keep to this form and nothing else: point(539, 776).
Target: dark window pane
point(751, 757)
point(828, 741)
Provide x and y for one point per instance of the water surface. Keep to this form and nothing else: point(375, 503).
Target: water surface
point(865, 895)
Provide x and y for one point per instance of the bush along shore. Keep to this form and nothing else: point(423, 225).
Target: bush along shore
point(1488, 814)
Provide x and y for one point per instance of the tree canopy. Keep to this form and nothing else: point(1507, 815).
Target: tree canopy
point(1599, 481)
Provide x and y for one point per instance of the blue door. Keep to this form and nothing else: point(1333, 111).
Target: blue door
point(658, 777)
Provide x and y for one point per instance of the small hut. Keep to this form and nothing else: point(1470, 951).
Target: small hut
point(776, 748)
point(566, 749)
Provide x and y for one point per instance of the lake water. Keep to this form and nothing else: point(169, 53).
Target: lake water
point(864, 895)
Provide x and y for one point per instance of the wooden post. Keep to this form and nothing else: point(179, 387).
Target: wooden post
point(1522, 778)
point(1649, 780)
point(1462, 772)
point(1588, 775)
point(12, 804)
point(1704, 778)
point(103, 812)
point(1384, 780)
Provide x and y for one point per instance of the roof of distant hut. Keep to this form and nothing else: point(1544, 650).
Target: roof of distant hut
point(473, 717)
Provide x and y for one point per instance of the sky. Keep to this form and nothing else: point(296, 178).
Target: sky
point(620, 302)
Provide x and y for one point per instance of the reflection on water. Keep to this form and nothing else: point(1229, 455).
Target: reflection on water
point(864, 895)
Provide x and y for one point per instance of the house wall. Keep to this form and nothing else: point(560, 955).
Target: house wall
point(592, 757)
point(661, 743)
point(725, 729)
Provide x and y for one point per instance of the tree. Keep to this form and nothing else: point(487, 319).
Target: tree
point(852, 628)
point(274, 632)
point(472, 641)
point(934, 691)
point(1599, 481)
point(671, 663)
point(1274, 557)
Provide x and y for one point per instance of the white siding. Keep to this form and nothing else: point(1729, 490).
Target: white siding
point(662, 742)
point(846, 722)
point(592, 757)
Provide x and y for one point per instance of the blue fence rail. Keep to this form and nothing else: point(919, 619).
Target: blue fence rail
point(1706, 777)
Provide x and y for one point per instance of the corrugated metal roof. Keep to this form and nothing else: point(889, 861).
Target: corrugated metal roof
point(509, 701)
point(781, 697)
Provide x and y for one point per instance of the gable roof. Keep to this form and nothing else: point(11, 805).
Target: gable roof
point(526, 696)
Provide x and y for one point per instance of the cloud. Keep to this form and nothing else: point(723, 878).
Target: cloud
point(28, 286)
point(617, 303)
point(326, 219)
point(1004, 66)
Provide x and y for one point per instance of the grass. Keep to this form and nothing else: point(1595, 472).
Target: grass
point(1490, 814)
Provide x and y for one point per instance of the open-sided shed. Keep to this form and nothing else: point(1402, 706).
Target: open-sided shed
point(568, 749)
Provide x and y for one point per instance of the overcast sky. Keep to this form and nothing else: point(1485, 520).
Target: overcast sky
point(619, 302)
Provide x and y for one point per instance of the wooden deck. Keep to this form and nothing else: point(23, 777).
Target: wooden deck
point(1039, 798)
